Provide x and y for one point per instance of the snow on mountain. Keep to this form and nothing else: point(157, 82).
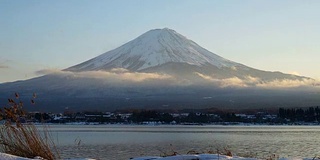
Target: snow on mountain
point(154, 48)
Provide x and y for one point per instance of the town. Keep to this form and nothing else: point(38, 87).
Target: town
point(299, 116)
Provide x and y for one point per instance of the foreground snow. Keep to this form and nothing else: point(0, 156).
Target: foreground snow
point(195, 157)
point(210, 157)
point(4, 156)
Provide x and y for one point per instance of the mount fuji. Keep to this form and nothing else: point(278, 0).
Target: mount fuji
point(166, 51)
point(163, 69)
point(154, 48)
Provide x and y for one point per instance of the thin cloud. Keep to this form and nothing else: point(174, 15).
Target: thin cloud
point(233, 82)
point(121, 76)
point(295, 73)
point(119, 70)
point(288, 83)
point(126, 76)
point(116, 75)
point(206, 77)
point(48, 71)
point(228, 82)
point(250, 81)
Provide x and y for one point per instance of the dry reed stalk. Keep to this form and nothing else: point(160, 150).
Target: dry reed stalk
point(24, 140)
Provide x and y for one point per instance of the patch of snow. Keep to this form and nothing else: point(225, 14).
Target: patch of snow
point(195, 157)
point(210, 157)
point(4, 156)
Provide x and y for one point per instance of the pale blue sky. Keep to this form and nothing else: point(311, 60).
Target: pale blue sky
point(270, 35)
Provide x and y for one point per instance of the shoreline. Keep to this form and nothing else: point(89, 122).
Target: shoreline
point(160, 124)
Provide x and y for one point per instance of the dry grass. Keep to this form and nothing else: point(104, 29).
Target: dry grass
point(24, 140)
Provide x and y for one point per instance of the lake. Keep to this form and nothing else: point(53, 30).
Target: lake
point(121, 142)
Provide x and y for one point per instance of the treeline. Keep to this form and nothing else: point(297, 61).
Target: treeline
point(310, 114)
point(198, 118)
point(150, 115)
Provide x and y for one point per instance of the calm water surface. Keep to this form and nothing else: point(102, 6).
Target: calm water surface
point(121, 142)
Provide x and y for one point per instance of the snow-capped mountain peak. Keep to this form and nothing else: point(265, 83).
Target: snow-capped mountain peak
point(154, 48)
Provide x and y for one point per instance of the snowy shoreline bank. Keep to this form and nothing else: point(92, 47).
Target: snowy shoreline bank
point(4, 156)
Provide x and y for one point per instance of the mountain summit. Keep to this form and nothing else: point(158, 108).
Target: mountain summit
point(154, 48)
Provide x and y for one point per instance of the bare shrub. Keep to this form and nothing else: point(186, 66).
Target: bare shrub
point(24, 139)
